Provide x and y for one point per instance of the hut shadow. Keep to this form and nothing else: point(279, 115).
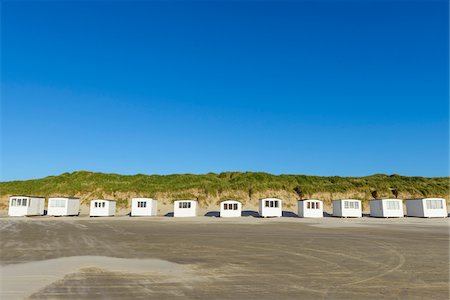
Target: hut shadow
point(288, 214)
point(250, 213)
point(327, 215)
point(212, 214)
point(169, 214)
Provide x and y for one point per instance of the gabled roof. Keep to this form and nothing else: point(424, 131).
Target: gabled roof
point(186, 200)
point(230, 200)
point(429, 198)
point(386, 199)
point(103, 200)
point(310, 200)
point(26, 196)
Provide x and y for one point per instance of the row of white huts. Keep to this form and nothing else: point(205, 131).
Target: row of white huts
point(268, 207)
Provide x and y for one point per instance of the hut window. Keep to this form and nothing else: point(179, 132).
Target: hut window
point(103, 204)
point(13, 202)
point(351, 204)
point(19, 202)
point(269, 203)
point(24, 202)
point(313, 205)
point(225, 206)
point(185, 205)
point(142, 204)
point(435, 204)
point(57, 203)
point(393, 205)
point(235, 206)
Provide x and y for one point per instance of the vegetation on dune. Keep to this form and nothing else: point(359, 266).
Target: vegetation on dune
point(211, 188)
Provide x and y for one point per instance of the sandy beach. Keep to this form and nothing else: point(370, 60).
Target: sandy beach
point(216, 258)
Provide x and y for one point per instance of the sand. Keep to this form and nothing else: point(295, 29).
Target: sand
point(214, 258)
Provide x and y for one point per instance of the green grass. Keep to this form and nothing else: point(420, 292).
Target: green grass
point(217, 186)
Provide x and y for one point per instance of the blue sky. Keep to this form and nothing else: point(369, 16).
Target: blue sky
point(295, 87)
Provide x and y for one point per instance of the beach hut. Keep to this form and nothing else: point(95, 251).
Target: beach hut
point(102, 208)
point(63, 206)
point(386, 208)
point(426, 208)
point(230, 208)
point(26, 206)
point(185, 208)
point(347, 208)
point(270, 207)
point(144, 207)
point(310, 208)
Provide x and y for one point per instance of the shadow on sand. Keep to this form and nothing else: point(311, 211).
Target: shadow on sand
point(212, 214)
point(288, 214)
point(250, 213)
point(170, 214)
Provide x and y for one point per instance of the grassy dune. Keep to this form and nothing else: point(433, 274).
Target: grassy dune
point(211, 188)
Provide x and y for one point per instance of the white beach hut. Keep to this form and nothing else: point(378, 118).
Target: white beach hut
point(270, 207)
point(185, 208)
point(230, 208)
point(144, 207)
point(386, 208)
point(347, 208)
point(102, 208)
point(63, 206)
point(310, 208)
point(426, 208)
point(26, 206)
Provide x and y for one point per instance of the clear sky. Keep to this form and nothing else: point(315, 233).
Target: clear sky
point(346, 88)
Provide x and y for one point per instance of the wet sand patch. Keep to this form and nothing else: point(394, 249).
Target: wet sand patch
point(22, 280)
